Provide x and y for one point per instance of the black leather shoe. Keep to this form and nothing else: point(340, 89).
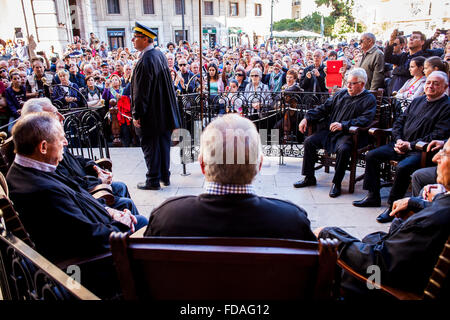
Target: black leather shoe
point(308, 181)
point(144, 186)
point(165, 183)
point(335, 190)
point(368, 201)
point(385, 217)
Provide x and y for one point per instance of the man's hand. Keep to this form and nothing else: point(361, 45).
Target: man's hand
point(137, 123)
point(435, 145)
point(103, 175)
point(393, 37)
point(335, 126)
point(316, 72)
point(399, 206)
point(302, 126)
point(125, 217)
point(317, 231)
point(401, 147)
point(431, 190)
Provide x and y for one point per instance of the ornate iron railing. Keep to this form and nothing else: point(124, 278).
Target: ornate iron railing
point(26, 275)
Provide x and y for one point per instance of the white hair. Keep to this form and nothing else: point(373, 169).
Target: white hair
point(359, 73)
point(258, 71)
point(35, 105)
point(230, 148)
point(319, 51)
point(440, 74)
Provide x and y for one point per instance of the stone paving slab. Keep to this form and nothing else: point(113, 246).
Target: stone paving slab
point(273, 181)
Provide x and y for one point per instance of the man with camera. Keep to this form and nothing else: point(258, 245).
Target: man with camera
point(38, 83)
point(313, 78)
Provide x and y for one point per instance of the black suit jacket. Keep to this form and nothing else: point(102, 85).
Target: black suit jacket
point(62, 218)
point(236, 215)
point(153, 99)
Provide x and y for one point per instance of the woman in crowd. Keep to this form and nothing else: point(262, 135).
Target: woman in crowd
point(241, 77)
point(15, 97)
point(276, 77)
point(128, 69)
point(216, 85)
point(255, 100)
point(92, 93)
point(435, 64)
point(66, 95)
point(414, 87)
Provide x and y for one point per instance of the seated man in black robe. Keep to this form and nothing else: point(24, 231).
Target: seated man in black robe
point(354, 106)
point(230, 157)
point(63, 219)
point(406, 254)
point(83, 171)
point(426, 119)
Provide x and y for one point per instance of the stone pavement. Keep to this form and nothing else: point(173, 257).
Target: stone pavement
point(273, 181)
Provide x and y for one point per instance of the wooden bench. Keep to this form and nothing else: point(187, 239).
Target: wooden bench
point(180, 268)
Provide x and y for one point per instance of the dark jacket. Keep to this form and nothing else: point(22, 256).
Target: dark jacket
point(13, 103)
point(234, 215)
point(423, 121)
point(405, 255)
point(349, 111)
point(59, 94)
point(153, 99)
point(62, 218)
point(308, 84)
point(78, 78)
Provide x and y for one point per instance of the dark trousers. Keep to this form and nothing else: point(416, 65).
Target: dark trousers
point(157, 157)
point(421, 178)
point(317, 141)
point(408, 164)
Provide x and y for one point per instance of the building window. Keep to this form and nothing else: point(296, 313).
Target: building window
point(179, 35)
point(258, 10)
point(209, 8)
point(180, 7)
point(234, 9)
point(148, 7)
point(116, 38)
point(113, 6)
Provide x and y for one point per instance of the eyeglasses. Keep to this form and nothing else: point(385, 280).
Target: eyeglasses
point(240, 74)
point(395, 44)
point(182, 64)
point(442, 153)
point(353, 83)
point(3, 70)
point(254, 75)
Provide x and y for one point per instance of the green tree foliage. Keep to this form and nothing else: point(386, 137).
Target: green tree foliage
point(341, 8)
point(309, 23)
point(341, 26)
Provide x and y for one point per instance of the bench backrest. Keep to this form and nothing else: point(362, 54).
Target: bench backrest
point(163, 268)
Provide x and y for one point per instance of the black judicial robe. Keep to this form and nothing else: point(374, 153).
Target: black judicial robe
point(79, 169)
point(406, 254)
point(233, 215)
point(423, 121)
point(349, 111)
point(62, 218)
point(153, 99)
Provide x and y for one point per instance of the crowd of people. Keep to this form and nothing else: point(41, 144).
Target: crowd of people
point(91, 75)
point(45, 171)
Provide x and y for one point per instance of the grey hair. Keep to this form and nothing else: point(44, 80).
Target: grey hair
point(86, 66)
point(32, 129)
point(35, 105)
point(258, 71)
point(319, 51)
point(440, 74)
point(371, 36)
point(359, 73)
point(230, 148)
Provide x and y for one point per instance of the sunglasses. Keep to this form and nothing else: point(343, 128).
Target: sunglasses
point(182, 64)
point(3, 70)
point(254, 75)
point(240, 74)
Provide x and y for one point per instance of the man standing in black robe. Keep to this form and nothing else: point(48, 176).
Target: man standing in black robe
point(426, 119)
point(354, 106)
point(154, 108)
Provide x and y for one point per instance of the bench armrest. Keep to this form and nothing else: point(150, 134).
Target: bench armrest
point(422, 146)
point(104, 163)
